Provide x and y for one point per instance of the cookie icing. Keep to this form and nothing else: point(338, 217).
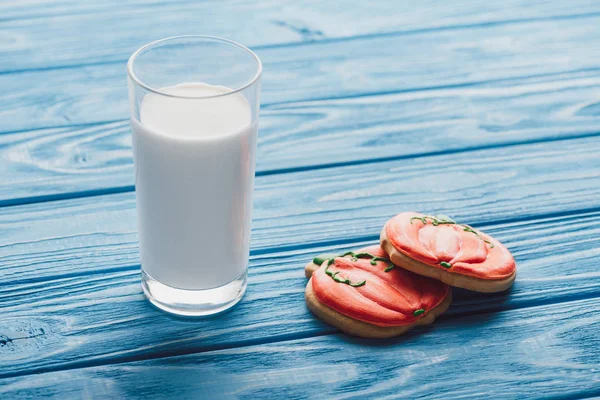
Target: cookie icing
point(393, 298)
point(442, 243)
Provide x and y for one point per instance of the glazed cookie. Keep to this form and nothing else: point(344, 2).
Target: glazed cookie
point(364, 294)
point(440, 248)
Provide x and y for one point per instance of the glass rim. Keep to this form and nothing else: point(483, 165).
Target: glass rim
point(139, 51)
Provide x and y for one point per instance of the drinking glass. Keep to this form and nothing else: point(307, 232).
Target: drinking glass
point(194, 113)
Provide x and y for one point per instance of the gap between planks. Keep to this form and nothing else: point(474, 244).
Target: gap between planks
point(346, 242)
point(131, 188)
point(282, 338)
point(376, 93)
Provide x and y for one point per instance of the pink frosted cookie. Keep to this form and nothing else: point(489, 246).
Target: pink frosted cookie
point(440, 248)
point(364, 294)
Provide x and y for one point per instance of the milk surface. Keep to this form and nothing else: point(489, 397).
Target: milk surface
point(194, 163)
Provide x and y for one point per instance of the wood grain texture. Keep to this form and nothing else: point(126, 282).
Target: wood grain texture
point(320, 206)
point(92, 32)
point(472, 96)
point(424, 61)
point(375, 15)
point(60, 161)
point(549, 351)
point(407, 105)
point(98, 318)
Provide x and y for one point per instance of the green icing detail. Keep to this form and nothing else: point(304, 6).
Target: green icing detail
point(446, 264)
point(469, 229)
point(321, 258)
point(335, 277)
point(330, 259)
point(435, 221)
point(418, 312)
point(375, 259)
point(442, 219)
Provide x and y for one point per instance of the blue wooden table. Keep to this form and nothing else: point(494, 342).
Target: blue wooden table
point(485, 111)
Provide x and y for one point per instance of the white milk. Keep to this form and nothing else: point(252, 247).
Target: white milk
point(194, 164)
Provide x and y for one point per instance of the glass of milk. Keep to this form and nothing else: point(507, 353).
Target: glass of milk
point(194, 114)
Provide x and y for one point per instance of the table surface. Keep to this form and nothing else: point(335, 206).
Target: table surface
point(485, 111)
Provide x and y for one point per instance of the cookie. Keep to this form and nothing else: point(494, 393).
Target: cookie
point(364, 294)
point(440, 248)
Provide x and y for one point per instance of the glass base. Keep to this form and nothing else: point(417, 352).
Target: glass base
point(194, 303)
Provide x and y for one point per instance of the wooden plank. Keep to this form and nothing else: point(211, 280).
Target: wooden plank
point(319, 206)
point(460, 58)
point(407, 13)
point(94, 318)
point(50, 34)
point(59, 161)
point(549, 351)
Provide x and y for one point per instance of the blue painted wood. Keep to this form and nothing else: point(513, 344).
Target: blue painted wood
point(376, 15)
point(64, 162)
point(102, 318)
point(550, 351)
point(459, 104)
point(357, 67)
point(116, 28)
point(320, 206)
point(463, 109)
